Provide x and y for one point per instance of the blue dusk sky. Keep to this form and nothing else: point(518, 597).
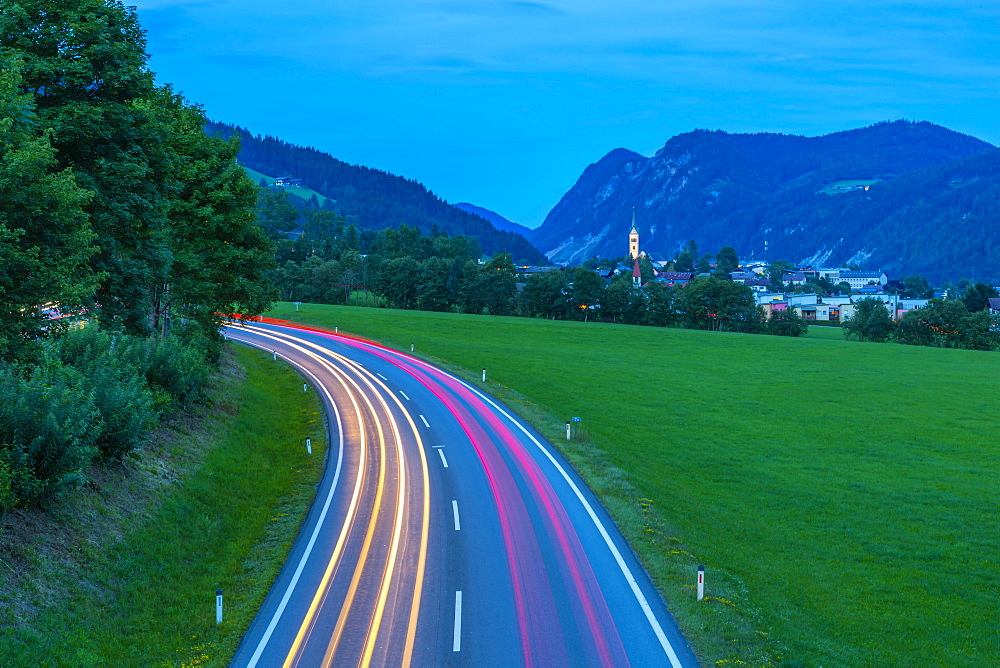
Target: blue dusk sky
point(503, 103)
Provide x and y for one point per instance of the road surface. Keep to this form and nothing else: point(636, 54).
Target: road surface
point(446, 531)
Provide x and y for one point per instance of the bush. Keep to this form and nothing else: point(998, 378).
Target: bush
point(121, 394)
point(786, 323)
point(49, 425)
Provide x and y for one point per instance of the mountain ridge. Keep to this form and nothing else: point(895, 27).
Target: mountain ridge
point(372, 198)
point(495, 219)
point(740, 189)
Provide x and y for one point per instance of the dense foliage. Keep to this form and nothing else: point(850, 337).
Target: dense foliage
point(332, 263)
point(117, 209)
point(929, 188)
point(941, 323)
point(370, 198)
point(92, 395)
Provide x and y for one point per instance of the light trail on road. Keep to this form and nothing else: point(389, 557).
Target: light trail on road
point(534, 573)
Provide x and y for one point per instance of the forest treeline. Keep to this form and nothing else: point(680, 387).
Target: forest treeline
point(116, 209)
point(371, 198)
point(331, 262)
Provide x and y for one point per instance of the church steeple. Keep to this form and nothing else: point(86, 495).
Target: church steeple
point(633, 239)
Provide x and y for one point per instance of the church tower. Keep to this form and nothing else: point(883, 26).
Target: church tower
point(633, 239)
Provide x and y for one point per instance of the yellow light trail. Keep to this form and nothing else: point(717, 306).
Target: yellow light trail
point(388, 573)
point(306, 625)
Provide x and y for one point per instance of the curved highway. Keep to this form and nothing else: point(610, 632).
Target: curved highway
point(445, 531)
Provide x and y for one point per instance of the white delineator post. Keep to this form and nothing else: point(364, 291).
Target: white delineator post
point(701, 582)
point(309, 446)
point(568, 430)
point(218, 606)
point(336, 330)
point(275, 354)
point(305, 388)
point(411, 347)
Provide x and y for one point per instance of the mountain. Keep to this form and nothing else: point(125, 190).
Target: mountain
point(371, 198)
point(495, 219)
point(930, 205)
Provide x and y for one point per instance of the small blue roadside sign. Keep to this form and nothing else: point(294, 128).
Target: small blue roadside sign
point(577, 419)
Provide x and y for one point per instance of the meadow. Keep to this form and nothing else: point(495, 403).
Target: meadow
point(843, 496)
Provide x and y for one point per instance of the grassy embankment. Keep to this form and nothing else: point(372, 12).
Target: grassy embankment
point(842, 495)
point(124, 572)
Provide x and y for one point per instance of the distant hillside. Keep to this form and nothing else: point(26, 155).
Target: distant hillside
point(496, 220)
point(373, 198)
point(928, 208)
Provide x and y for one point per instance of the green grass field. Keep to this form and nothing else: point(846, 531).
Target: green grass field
point(843, 496)
point(128, 575)
point(295, 191)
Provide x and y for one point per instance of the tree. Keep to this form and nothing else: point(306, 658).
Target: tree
point(497, 286)
point(687, 260)
point(586, 290)
point(661, 311)
point(545, 295)
point(45, 241)
point(85, 69)
point(917, 287)
point(776, 273)
point(727, 260)
point(786, 323)
point(871, 322)
point(948, 324)
point(717, 304)
point(432, 292)
point(398, 281)
point(219, 257)
point(977, 296)
point(276, 214)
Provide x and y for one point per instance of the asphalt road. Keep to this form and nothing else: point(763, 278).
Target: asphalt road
point(446, 531)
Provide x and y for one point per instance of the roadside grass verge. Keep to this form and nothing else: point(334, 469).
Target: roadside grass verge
point(842, 495)
point(125, 572)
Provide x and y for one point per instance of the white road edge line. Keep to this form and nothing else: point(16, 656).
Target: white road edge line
point(443, 460)
point(626, 571)
point(454, 508)
point(425, 421)
point(404, 395)
point(456, 643)
point(319, 523)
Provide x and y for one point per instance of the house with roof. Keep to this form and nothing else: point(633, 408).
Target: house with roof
point(674, 278)
point(859, 279)
point(793, 278)
point(993, 306)
point(817, 312)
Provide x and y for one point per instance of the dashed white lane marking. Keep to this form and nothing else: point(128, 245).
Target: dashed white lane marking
point(443, 460)
point(454, 508)
point(404, 395)
point(381, 376)
point(425, 421)
point(456, 644)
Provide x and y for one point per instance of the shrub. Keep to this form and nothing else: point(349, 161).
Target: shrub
point(786, 323)
point(49, 425)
